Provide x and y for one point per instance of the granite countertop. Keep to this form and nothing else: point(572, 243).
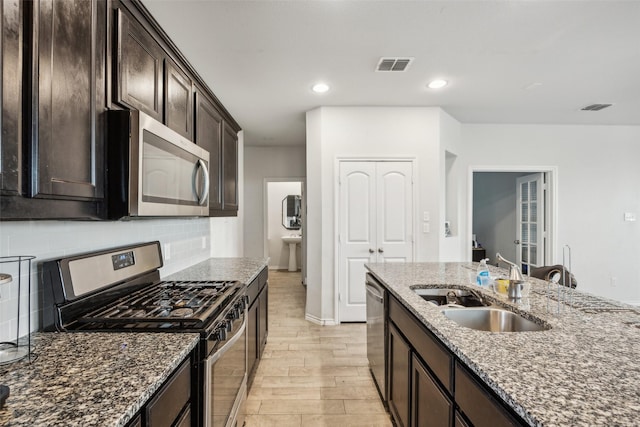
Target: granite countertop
point(241, 269)
point(88, 378)
point(584, 371)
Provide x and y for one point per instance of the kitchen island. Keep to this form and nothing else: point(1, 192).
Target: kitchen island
point(583, 371)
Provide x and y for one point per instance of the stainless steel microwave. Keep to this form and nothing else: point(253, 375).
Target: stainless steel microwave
point(152, 171)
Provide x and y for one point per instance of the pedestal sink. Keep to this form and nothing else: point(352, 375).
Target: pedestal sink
point(293, 241)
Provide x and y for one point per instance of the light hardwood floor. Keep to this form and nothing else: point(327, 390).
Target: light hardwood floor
point(311, 375)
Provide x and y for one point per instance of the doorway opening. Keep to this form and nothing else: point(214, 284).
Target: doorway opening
point(283, 218)
point(513, 211)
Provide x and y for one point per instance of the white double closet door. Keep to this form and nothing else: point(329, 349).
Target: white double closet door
point(375, 225)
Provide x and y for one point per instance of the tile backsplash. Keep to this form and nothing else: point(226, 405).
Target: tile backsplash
point(188, 239)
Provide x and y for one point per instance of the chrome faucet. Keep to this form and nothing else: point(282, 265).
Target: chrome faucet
point(514, 290)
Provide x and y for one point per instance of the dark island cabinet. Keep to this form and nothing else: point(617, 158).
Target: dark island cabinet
point(208, 134)
point(429, 386)
point(399, 357)
point(54, 135)
point(430, 405)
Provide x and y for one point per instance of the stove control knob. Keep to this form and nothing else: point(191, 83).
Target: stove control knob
point(220, 334)
point(233, 314)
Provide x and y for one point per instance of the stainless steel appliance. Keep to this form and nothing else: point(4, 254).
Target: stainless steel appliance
point(153, 170)
point(376, 334)
point(120, 290)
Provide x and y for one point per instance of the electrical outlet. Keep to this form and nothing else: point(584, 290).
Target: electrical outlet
point(614, 282)
point(425, 216)
point(426, 228)
point(167, 251)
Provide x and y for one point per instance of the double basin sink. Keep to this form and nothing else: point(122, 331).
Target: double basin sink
point(469, 309)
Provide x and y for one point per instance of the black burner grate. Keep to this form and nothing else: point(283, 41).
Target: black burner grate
point(166, 304)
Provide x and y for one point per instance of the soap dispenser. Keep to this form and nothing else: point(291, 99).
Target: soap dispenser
point(482, 275)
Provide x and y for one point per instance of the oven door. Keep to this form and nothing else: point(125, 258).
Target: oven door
point(226, 377)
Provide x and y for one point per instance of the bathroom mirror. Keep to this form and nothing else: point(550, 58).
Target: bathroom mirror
point(291, 212)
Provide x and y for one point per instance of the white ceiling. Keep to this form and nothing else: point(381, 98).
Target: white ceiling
point(507, 61)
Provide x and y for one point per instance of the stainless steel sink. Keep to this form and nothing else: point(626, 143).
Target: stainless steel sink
point(492, 319)
point(444, 296)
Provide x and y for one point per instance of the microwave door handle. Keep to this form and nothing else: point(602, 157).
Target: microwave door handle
point(205, 175)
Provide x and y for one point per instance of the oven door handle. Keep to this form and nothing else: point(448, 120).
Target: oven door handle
point(227, 345)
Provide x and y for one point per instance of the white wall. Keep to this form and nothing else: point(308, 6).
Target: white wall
point(278, 250)
point(451, 196)
point(598, 181)
point(191, 241)
point(365, 132)
point(265, 163)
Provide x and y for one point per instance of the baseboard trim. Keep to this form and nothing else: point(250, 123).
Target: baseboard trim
point(318, 321)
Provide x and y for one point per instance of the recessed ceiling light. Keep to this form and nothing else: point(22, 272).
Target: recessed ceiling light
point(437, 84)
point(320, 87)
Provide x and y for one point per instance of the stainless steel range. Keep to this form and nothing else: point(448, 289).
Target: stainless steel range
point(120, 290)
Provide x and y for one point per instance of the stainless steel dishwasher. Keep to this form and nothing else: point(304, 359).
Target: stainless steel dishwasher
point(376, 334)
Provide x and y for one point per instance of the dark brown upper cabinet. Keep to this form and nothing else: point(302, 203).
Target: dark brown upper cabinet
point(68, 99)
point(178, 100)
point(53, 135)
point(208, 134)
point(11, 14)
point(139, 67)
point(229, 169)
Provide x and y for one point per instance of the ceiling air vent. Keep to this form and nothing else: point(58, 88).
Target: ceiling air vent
point(596, 107)
point(394, 64)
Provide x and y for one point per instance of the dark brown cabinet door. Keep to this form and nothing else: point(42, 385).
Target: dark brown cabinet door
point(139, 67)
point(229, 169)
point(11, 15)
point(430, 406)
point(399, 359)
point(208, 134)
point(263, 320)
point(68, 98)
point(477, 403)
point(252, 337)
point(178, 100)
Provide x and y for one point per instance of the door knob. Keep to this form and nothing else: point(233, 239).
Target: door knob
point(371, 251)
point(380, 250)
point(517, 242)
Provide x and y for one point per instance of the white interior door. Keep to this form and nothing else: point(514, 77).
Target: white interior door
point(530, 211)
point(375, 225)
point(394, 231)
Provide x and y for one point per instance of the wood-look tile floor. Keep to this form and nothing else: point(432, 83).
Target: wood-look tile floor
point(311, 375)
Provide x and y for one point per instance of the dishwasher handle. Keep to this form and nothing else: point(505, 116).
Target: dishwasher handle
point(374, 292)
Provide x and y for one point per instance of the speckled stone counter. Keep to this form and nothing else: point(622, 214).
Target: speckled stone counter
point(584, 371)
point(85, 379)
point(241, 269)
